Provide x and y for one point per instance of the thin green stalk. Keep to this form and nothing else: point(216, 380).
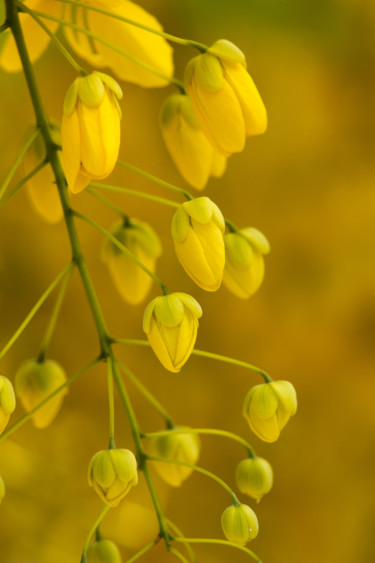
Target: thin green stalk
point(135, 193)
point(23, 8)
point(55, 313)
point(17, 162)
point(143, 551)
point(34, 310)
point(103, 512)
point(21, 183)
point(199, 470)
point(219, 542)
point(123, 248)
point(173, 38)
point(28, 415)
point(108, 203)
point(178, 555)
point(146, 393)
point(111, 403)
point(155, 179)
point(176, 530)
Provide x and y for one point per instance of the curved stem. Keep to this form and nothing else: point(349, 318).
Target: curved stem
point(135, 193)
point(108, 203)
point(188, 547)
point(21, 183)
point(17, 162)
point(178, 555)
point(219, 542)
point(143, 551)
point(111, 402)
point(103, 512)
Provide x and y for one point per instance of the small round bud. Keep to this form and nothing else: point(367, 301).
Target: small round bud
point(254, 477)
point(7, 401)
point(268, 407)
point(34, 381)
point(2, 489)
point(103, 551)
point(239, 523)
point(112, 473)
point(179, 447)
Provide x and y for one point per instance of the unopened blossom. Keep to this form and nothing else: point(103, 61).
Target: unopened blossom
point(239, 523)
point(7, 401)
point(103, 551)
point(254, 477)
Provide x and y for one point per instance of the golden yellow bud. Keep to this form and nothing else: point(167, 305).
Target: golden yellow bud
point(112, 473)
point(7, 401)
point(239, 523)
point(197, 231)
point(103, 551)
point(254, 477)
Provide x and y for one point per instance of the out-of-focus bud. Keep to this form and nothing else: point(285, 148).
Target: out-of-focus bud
point(112, 473)
point(90, 129)
point(103, 551)
point(33, 382)
point(171, 323)
point(244, 262)
point(41, 187)
point(268, 407)
point(239, 523)
point(224, 97)
point(2, 489)
point(7, 401)
point(254, 477)
point(188, 146)
point(140, 239)
point(176, 447)
point(197, 231)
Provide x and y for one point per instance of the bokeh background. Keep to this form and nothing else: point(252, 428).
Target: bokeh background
point(308, 184)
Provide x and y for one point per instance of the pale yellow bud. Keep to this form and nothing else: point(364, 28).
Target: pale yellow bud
point(254, 477)
point(239, 523)
point(7, 401)
point(103, 551)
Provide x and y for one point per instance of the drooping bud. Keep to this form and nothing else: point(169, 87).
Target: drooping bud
point(112, 473)
point(197, 231)
point(176, 447)
point(171, 323)
point(254, 477)
point(268, 407)
point(239, 523)
point(103, 551)
point(7, 401)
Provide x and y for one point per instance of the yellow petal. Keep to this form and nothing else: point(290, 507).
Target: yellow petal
point(218, 165)
point(44, 195)
point(82, 44)
point(71, 148)
point(159, 346)
point(130, 280)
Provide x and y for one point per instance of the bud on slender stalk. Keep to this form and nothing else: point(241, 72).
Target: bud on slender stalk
point(239, 523)
point(103, 551)
point(254, 477)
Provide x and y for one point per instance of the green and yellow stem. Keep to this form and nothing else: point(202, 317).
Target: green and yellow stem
point(92, 531)
point(22, 182)
point(111, 404)
point(144, 550)
point(178, 555)
point(175, 530)
point(108, 203)
point(135, 193)
point(17, 162)
point(218, 542)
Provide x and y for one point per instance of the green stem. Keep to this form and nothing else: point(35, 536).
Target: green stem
point(103, 512)
point(173, 38)
point(23, 8)
point(55, 313)
point(111, 402)
point(17, 162)
point(28, 415)
point(231, 226)
point(123, 248)
point(178, 555)
point(143, 551)
point(146, 393)
point(21, 183)
point(219, 542)
point(199, 470)
point(176, 530)
point(34, 310)
point(108, 203)
point(155, 179)
point(135, 193)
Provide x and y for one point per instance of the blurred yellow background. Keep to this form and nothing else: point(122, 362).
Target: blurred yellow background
point(308, 184)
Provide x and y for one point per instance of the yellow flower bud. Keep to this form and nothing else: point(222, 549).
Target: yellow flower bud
point(244, 262)
point(7, 401)
point(103, 551)
point(33, 382)
point(171, 323)
point(178, 447)
point(2, 489)
point(268, 407)
point(188, 146)
point(239, 523)
point(41, 188)
point(112, 473)
point(197, 231)
point(224, 97)
point(140, 239)
point(90, 129)
point(254, 477)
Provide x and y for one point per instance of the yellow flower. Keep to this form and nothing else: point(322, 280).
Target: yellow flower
point(112, 473)
point(197, 231)
point(224, 97)
point(188, 146)
point(244, 262)
point(254, 477)
point(33, 382)
point(36, 40)
point(2, 489)
point(41, 187)
point(7, 401)
point(268, 407)
point(103, 551)
point(90, 129)
point(171, 323)
point(176, 447)
point(140, 239)
point(148, 47)
point(239, 523)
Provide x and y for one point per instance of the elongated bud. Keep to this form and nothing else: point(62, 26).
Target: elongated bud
point(254, 477)
point(239, 523)
point(103, 551)
point(171, 323)
point(34, 381)
point(7, 401)
point(178, 447)
point(197, 231)
point(112, 473)
point(268, 407)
